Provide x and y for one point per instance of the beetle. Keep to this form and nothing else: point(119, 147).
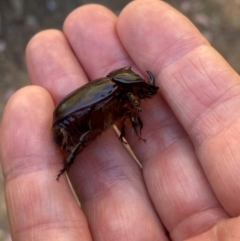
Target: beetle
point(89, 110)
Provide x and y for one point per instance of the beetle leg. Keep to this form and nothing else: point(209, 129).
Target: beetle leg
point(140, 124)
point(134, 102)
point(76, 149)
point(137, 125)
point(69, 161)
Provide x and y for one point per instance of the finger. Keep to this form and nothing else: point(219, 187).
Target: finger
point(52, 64)
point(164, 49)
point(202, 90)
point(105, 173)
point(97, 47)
point(39, 207)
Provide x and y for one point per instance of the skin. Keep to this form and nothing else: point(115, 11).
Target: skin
point(189, 183)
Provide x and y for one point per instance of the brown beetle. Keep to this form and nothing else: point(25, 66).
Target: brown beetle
point(82, 115)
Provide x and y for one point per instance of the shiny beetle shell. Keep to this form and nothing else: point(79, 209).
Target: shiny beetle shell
point(83, 114)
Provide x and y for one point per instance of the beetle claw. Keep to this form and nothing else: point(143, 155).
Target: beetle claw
point(62, 171)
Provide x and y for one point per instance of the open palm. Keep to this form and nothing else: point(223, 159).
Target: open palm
point(189, 183)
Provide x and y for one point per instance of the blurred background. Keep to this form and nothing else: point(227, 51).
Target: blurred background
point(218, 20)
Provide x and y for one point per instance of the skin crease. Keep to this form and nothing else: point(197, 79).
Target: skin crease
point(190, 182)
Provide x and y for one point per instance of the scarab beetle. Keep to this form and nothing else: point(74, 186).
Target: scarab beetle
point(86, 112)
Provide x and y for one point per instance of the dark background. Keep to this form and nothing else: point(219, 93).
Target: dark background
point(218, 20)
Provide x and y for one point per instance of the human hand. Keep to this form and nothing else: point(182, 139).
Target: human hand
point(190, 178)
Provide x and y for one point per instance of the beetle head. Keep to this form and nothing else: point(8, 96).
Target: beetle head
point(144, 89)
point(148, 88)
point(151, 81)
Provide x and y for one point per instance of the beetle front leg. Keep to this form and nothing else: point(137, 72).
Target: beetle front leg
point(137, 125)
point(134, 102)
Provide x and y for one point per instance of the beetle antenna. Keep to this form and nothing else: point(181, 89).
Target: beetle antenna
point(152, 78)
